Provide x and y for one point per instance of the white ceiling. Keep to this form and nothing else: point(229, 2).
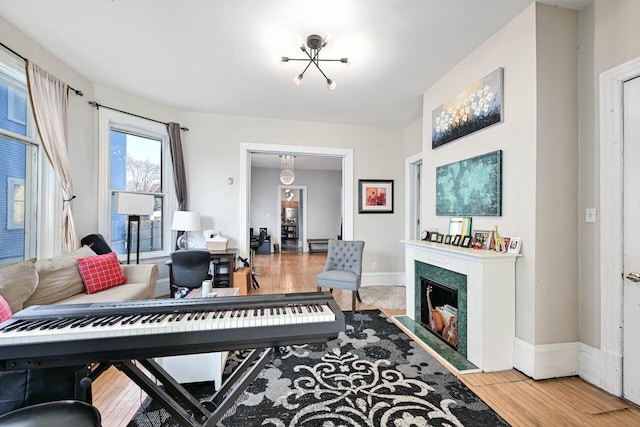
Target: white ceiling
point(221, 56)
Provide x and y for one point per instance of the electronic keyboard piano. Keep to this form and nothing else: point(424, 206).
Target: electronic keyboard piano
point(123, 332)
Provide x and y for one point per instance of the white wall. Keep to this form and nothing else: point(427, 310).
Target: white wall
point(556, 214)
point(323, 201)
point(609, 34)
point(526, 137)
point(413, 138)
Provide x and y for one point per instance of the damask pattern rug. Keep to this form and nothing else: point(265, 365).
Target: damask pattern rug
point(371, 375)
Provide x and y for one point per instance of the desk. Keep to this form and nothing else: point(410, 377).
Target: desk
point(191, 368)
point(224, 263)
point(322, 242)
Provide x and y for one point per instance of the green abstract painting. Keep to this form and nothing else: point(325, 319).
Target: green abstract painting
point(470, 187)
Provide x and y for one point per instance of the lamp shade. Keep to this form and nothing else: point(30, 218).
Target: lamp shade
point(186, 221)
point(133, 203)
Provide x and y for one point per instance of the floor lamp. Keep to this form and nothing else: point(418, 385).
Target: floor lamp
point(133, 205)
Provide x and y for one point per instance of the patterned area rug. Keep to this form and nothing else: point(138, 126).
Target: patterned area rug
point(371, 375)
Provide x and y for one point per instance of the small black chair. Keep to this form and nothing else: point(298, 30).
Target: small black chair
point(254, 244)
point(63, 413)
point(188, 269)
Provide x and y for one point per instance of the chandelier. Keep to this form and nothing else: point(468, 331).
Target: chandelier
point(314, 45)
point(286, 169)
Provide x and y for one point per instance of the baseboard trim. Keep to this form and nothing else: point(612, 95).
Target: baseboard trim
point(547, 360)
point(590, 364)
point(385, 279)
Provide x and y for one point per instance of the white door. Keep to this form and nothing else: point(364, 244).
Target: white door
point(631, 288)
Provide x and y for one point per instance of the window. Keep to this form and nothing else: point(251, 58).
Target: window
point(15, 203)
point(136, 166)
point(135, 158)
point(18, 164)
point(17, 106)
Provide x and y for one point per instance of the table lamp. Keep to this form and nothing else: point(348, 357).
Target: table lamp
point(186, 221)
point(134, 205)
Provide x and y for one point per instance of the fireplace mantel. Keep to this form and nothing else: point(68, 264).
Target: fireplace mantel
point(490, 297)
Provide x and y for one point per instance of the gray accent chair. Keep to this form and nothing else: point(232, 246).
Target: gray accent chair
point(343, 269)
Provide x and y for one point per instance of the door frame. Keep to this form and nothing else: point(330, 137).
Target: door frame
point(244, 184)
point(411, 201)
point(611, 223)
point(303, 202)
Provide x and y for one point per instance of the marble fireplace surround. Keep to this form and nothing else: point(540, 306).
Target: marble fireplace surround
point(490, 297)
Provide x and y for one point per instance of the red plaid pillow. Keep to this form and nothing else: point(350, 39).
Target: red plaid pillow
point(5, 311)
point(101, 272)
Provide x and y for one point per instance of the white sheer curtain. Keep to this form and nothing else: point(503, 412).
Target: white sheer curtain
point(49, 100)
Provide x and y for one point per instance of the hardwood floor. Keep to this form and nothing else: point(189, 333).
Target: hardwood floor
point(518, 399)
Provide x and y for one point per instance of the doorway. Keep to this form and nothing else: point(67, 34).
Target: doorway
point(619, 296)
point(413, 178)
point(244, 183)
point(292, 208)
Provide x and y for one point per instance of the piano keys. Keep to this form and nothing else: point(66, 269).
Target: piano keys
point(130, 333)
point(84, 333)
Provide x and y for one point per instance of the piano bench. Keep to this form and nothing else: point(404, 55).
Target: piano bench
point(63, 413)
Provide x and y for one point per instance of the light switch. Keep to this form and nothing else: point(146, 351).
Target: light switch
point(590, 215)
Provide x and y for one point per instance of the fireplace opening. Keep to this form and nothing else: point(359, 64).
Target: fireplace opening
point(439, 310)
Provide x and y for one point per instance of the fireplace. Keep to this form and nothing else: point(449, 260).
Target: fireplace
point(485, 282)
point(439, 310)
point(448, 289)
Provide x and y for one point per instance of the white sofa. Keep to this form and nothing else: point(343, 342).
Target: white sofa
point(57, 281)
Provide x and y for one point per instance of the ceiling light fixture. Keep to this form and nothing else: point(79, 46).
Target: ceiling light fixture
point(314, 45)
point(286, 169)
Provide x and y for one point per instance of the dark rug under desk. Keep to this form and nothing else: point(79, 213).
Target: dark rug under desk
point(372, 375)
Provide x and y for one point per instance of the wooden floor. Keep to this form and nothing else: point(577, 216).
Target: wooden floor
point(518, 399)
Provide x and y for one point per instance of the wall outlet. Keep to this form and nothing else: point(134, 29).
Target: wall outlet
point(590, 215)
point(374, 265)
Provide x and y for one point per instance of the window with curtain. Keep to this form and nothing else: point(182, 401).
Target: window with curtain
point(18, 163)
point(134, 156)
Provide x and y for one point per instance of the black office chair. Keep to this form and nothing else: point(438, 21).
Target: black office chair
point(65, 413)
point(187, 270)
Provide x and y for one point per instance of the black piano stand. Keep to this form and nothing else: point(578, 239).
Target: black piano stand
point(180, 404)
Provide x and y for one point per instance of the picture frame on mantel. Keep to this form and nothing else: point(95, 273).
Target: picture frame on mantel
point(375, 196)
point(514, 245)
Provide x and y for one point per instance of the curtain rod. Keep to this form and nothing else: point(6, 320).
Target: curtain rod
point(98, 106)
point(76, 91)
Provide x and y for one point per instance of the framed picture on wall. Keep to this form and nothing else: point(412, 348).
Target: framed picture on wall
point(375, 196)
